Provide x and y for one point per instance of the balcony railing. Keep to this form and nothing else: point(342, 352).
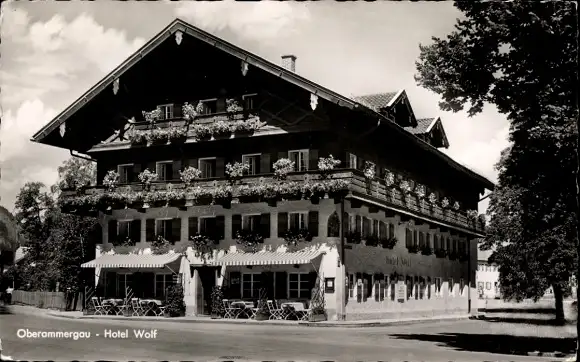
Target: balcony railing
point(263, 188)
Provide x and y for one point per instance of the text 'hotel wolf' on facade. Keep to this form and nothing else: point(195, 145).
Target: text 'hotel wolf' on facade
point(225, 159)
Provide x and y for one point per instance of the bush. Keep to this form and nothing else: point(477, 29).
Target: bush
point(175, 306)
point(217, 301)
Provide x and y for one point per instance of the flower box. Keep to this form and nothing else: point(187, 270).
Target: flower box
point(426, 250)
point(371, 240)
point(244, 132)
point(388, 243)
point(204, 200)
point(272, 201)
point(249, 198)
point(177, 202)
point(413, 249)
point(222, 136)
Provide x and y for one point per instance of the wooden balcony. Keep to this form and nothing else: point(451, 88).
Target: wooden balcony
point(351, 184)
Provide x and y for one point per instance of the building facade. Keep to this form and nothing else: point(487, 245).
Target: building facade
point(217, 167)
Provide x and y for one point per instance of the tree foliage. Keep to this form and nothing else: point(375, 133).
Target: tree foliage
point(521, 57)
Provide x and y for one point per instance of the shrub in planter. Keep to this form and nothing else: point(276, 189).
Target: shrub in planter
point(233, 107)
point(445, 203)
point(146, 178)
point(414, 249)
point(189, 175)
point(249, 239)
point(111, 180)
point(217, 304)
point(263, 312)
point(247, 127)
point(202, 132)
point(369, 170)
point(152, 116)
point(236, 171)
point(175, 306)
point(222, 129)
point(189, 111)
point(371, 240)
point(160, 246)
point(388, 243)
point(294, 236)
point(158, 136)
point(177, 134)
point(326, 165)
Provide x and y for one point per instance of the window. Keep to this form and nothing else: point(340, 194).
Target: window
point(248, 101)
point(250, 285)
point(438, 283)
point(164, 170)
point(254, 162)
point(488, 285)
point(297, 220)
point(435, 241)
point(421, 239)
point(448, 242)
point(299, 285)
point(300, 158)
point(366, 231)
point(209, 106)
point(251, 222)
point(123, 281)
point(163, 229)
point(415, 238)
point(125, 173)
point(207, 225)
point(428, 240)
point(207, 167)
point(375, 231)
point(351, 283)
point(162, 282)
point(352, 161)
point(166, 111)
point(352, 223)
point(124, 230)
point(333, 225)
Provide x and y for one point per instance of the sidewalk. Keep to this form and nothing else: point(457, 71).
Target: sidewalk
point(18, 309)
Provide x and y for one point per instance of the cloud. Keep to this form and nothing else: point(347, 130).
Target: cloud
point(260, 21)
point(45, 66)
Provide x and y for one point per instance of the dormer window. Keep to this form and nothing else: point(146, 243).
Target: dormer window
point(166, 111)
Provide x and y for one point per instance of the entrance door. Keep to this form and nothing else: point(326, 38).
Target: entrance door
point(207, 275)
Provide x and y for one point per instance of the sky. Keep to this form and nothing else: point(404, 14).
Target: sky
point(52, 52)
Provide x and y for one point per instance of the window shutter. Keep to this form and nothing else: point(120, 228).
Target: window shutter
point(408, 238)
point(176, 168)
point(346, 223)
point(134, 174)
point(421, 239)
point(282, 223)
point(235, 289)
point(415, 237)
point(192, 226)
point(220, 167)
point(283, 154)
point(150, 229)
point(382, 229)
point(313, 223)
point(360, 163)
point(265, 225)
point(313, 162)
point(177, 110)
point(220, 223)
point(176, 230)
point(236, 225)
point(391, 230)
point(358, 224)
point(281, 285)
point(136, 231)
point(366, 226)
point(113, 231)
point(265, 166)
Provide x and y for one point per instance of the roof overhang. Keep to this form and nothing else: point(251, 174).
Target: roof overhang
point(269, 258)
point(132, 261)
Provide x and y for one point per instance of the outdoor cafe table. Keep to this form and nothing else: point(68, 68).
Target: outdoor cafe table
point(295, 309)
point(112, 305)
point(150, 306)
point(244, 308)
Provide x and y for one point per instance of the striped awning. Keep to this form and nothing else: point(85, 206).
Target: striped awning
point(131, 261)
point(269, 258)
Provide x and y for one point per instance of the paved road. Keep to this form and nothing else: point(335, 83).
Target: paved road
point(442, 341)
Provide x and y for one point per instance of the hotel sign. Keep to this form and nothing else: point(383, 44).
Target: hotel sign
point(398, 261)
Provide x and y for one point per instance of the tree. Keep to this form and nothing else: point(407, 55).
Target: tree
point(75, 173)
point(522, 58)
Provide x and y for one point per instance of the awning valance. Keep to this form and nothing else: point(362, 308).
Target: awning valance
point(131, 261)
point(269, 258)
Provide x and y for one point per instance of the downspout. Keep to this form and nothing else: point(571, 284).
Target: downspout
point(87, 158)
point(469, 277)
point(343, 260)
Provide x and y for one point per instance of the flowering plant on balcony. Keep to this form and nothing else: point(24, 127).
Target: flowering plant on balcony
point(293, 236)
point(159, 135)
point(111, 180)
point(247, 126)
point(147, 177)
point(389, 178)
point(282, 168)
point(325, 165)
point(176, 133)
point(426, 250)
point(189, 175)
point(202, 131)
point(189, 111)
point(153, 115)
point(369, 170)
point(233, 106)
point(137, 137)
point(445, 203)
point(405, 186)
point(236, 171)
point(249, 238)
point(440, 253)
point(221, 128)
point(160, 245)
point(203, 244)
point(471, 214)
point(222, 193)
point(432, 198)
point(456, 206)
point(388, 243)
point(413, 249)
point(199, 108)
point(421, 191)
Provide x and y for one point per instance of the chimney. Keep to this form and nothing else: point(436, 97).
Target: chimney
point(289, 62)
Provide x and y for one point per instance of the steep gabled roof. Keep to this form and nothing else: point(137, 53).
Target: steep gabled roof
point(377, 101)
point(424, 125)
point(179, 25)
